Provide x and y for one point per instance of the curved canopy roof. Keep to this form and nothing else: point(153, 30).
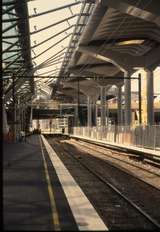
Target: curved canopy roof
point(16, 55)
point(119, 36)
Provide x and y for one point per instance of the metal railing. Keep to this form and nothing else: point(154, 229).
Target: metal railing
point(140, 136)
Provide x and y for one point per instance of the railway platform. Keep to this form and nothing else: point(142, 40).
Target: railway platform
point(40, 194)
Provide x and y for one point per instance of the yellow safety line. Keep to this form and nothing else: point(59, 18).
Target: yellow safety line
point(55, 217)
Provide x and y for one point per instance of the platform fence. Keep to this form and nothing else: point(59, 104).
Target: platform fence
point(140, 136)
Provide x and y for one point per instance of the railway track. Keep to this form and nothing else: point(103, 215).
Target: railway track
point(98, 168)
point(110, 158)
point(153, 160)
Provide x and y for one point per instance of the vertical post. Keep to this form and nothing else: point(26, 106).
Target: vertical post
point(31, 116)
point(14, 108)
point(78, 102)
point(94, 112)
point(60, 110)
point(89, 114)
point(150, 98)
point(18, 115)
point(103, 105)
point(21, 116)
point(140, 99)
point(76, 115)
point(127, 94)
point(96, 115)
point(119, 105)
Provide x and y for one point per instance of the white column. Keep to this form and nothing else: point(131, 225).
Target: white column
point(150, 98)
point(127, 96)
point(103, 105)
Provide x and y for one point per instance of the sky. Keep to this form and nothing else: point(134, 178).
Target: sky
point(48, 19)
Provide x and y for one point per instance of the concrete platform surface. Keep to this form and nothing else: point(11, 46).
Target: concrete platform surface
point(40, 194)
point(26, 201)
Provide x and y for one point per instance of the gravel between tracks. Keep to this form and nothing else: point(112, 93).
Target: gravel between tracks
point(115, 212)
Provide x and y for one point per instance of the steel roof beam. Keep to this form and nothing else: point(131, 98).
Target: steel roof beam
point(48, 65)
point(17, 36)
point(7, 42)
point(12, 62)
point(46, 40)
point(47, 12)
point(8, 28)
point(12, 45)
point(7, 10)
point(19, 82)
point(54, 24)
point(8, 3)
point(51, 58)
point(56, 9)
point(75, 31)
point(52, 46)
point(48, 72)
point(149, 12)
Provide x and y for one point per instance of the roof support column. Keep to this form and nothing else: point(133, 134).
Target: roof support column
point(103, 105)
point(18, 121)
point(31, 116)
point(22, 117)
point(76, 115)
point(5, 123)
point(150, 97)
point(119, 88)
point(89, 111)
point(94, 115)
point(127, 96)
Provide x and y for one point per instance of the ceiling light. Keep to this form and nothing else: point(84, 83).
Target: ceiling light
point(130, 42)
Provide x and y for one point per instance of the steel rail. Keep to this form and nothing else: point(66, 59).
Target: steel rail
point(135, 206)
point(123, 161)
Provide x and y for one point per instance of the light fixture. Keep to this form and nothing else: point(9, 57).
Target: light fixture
point(130, 42)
